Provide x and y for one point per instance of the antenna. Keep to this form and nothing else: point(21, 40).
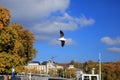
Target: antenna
point(52, 58)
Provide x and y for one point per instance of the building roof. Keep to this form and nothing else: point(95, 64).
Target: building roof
point(64, 65)
point(36, 62)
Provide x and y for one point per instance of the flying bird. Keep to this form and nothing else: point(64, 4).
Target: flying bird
point(62, 39)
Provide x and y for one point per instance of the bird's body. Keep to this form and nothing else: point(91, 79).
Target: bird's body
point(62, 39)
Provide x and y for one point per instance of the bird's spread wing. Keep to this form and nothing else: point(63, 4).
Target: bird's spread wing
point(62, 43)
point(61, 34)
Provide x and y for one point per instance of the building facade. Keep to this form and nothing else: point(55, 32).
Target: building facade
point(44, 67)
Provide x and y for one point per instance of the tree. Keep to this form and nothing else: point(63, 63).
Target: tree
point(53, 72)
point(90, 65)
point(4, 17)
point(33, 70)
point(71, 73)
point(24, 43)
point(7, 61)
point(16, 44)
point(60, 72)
point(110, 71)
point(76, 64)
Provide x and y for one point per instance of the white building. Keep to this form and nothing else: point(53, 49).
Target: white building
point(83, 76)
point(43, 67)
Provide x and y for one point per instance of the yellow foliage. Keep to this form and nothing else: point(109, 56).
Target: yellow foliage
point(4, 16)
point(1, 26)
point(16, 44)
point(8, 60)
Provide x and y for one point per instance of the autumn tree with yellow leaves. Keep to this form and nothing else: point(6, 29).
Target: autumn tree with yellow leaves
point(16, 44)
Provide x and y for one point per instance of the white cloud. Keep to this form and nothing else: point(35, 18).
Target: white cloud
point(48, 25)
point(49, 28)
point(28, 9)
point(111, 41)
point(83, 21)
point(114, 49)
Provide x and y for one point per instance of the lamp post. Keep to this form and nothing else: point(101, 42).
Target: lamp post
point(70, 74)
point(99, 66)
point(63, 74)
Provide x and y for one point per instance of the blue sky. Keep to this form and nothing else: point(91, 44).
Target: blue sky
point(90, 26)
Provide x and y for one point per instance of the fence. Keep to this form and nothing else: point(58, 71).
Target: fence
point(6, 77)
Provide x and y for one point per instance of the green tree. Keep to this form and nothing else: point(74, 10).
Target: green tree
point(16, 44)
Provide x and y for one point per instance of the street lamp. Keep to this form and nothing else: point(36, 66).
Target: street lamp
point(99, 66)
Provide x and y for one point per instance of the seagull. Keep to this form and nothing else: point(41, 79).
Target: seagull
point(62, 39)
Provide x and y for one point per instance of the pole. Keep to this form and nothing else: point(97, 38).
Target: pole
point(99, 66)
point(63, 74)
